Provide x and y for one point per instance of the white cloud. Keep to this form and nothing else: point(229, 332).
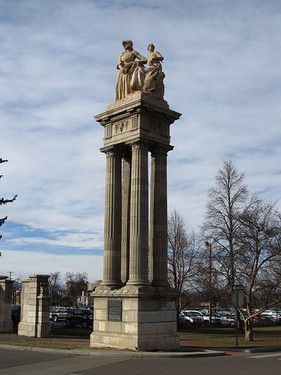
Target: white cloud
point(69, 240)
point(24, 263)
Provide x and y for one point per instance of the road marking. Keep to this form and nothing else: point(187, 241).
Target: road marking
point(266, 355)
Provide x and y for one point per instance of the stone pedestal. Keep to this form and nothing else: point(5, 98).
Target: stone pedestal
point(135, 318)
point(6, 292)
point(35, 307)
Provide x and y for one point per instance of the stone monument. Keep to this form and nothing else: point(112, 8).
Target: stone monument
point(35, 307)
point(134, 306)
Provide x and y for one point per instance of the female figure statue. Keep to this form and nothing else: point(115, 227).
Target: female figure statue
point(131, 73)
point(154, 76)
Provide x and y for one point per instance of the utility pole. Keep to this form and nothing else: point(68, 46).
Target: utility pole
point(209, 247)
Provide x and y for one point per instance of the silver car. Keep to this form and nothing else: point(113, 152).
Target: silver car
point(59, 313)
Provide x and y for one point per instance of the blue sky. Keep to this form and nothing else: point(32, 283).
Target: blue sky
point(58, 70)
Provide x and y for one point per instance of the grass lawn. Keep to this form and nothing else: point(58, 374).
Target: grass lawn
point(226, 337)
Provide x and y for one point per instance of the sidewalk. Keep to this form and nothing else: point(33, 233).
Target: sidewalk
point(68, 344)
point(80, 345)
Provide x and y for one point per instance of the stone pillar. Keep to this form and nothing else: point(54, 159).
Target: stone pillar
point(158, 217)
point(43, 311)
point(6, 292)
point(138, 268)
point(112, 219)
point(126, 193)
point(136, 314)
point(35, 307)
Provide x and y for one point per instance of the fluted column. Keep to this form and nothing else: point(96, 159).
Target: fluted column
point(125, 239)
point(138, 268)
point(158, 217)
point(112, 219)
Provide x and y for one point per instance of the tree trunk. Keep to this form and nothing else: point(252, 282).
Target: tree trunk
point(249, 333)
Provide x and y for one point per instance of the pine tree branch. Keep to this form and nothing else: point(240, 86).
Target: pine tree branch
point(5, 201)
point(2, 220)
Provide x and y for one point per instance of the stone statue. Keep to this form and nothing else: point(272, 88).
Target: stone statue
point(131, 73)
point(154, 76)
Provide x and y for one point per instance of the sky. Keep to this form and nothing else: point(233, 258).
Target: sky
point(222, 62)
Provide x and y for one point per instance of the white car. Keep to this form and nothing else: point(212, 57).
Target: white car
point(191, 318)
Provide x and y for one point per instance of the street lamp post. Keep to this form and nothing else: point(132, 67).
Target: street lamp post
point(209, 247)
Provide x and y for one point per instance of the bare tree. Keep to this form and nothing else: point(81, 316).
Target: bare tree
point(17, 287)
point(76, 283)
point(227, 200)
point(55, 287)
point(246, 238)
point(211, 286)
point(182, 254)
point(258, 266)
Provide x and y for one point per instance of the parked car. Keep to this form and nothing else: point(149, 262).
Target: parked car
point(275, 315)
point(216, 320)
point(227, 318)
point(58, 313)
point(89, 314)
point(263, 320)
point(76, 317)
point(15, 314)
point(191, 318)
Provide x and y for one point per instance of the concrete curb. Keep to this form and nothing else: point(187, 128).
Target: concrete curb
point(263, 350)
point(117, 353)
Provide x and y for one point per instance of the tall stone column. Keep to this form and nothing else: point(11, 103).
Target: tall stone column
point(126, 193)
point(141, 312)
point(158, 217)
point(112, 219)
point(138, 268)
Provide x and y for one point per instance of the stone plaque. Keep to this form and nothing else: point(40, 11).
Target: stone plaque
point(114, 310)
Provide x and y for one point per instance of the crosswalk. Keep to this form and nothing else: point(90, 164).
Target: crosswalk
point(266, 355)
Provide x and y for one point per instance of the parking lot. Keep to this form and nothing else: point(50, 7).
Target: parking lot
point(189, 318)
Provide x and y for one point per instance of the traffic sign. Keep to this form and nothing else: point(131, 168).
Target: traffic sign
point(237, 287)
point(237, 298)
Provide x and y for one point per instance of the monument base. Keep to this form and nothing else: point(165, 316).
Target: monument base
point(31, 330)
point(135, 318)
point(26, 329)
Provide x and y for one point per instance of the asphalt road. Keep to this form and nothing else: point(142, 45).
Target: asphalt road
point(24, 362)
